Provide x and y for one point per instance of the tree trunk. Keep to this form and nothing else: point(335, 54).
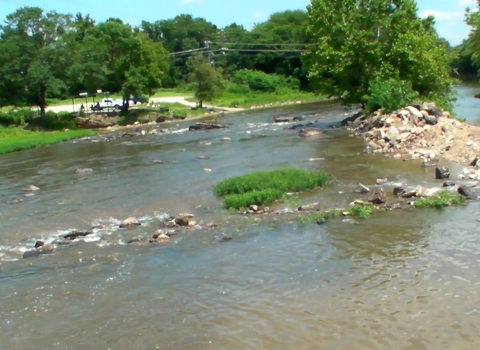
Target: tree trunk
point(43, 103)
point(126, 104)
point(200, 104)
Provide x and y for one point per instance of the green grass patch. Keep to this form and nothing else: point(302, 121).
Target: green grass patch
point(265, 187)
point(444, 199)
point(361, 211)
point(245, 100)
point(18, 139)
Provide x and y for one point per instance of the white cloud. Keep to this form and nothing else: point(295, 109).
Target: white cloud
point(466, 3)
point(185, 2)
point(258, 14)
point(444, 16)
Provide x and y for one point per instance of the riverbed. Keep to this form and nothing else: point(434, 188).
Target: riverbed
point(405, 280)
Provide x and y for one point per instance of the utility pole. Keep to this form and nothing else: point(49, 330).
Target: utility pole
point(208, 57)
point(224, 57)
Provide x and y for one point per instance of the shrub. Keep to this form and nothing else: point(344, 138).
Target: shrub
point(389, 95)
point(260, 81)
point(443, 199)
point(180, 113)
point(237, 88)
point(362, 211)
point(265, 187)
point(16, 117)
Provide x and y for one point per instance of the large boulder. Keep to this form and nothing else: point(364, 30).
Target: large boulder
point(465, 191)
point(207, 126)
point(414, 111)
point(431, 109)
point(95, 121)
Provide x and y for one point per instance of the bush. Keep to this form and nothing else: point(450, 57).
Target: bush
point(264, 187)
point(260, 81)
point(443, 199)
point(180, 113)
point(16, 117)
point(362, 211)
point(389, 95)
point(238, 88)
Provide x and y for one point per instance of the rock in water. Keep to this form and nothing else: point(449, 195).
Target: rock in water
point(442, 173)
point(46, 249)
point(75, 234)
point(309, 132)
point(465, 191)
point(181, 221)
point(382, 181)
point(362, 189)
point(449, 184)
point(398, 191)
point(39, 244)
point(311, 206)
point(30, 188)
point(206, 126)
point(130, 222)
point(378, 197)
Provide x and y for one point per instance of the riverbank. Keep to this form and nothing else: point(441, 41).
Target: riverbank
point(19, 139)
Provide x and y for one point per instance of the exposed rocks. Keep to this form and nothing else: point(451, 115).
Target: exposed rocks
point(130, 222)
point(95, 121)
point(398, 191)
point(207, 126)
point(160, 119)
point(378, 197)
point(362, 189)
point(442, 173)
point(283, 119)
point(135, 240)
point(39, 244)
point(203, 157)
point(422, 132)
point(449, 184)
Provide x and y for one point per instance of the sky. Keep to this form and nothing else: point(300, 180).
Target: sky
point(449, 14)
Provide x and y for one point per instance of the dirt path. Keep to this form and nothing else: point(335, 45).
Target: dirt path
point(167, 99)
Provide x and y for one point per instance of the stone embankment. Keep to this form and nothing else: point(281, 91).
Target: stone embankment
point(420, 132)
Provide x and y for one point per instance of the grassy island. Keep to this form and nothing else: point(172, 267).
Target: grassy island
point(265, 187)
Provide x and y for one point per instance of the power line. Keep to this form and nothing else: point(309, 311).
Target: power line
point(259, 44)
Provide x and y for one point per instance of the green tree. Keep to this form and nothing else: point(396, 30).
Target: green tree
point(114, 57)
point(357, 42)
point(206, 80)
point(28, 57)
point(472, 45)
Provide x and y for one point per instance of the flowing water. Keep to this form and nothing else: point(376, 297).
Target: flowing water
point(405, 280)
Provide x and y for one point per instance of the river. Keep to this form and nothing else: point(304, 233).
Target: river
point(404, 280)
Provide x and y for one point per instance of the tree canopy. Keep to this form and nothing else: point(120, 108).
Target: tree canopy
point(357, 42)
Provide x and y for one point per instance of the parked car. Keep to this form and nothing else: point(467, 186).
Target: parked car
point(107, 103)
point(139, 99)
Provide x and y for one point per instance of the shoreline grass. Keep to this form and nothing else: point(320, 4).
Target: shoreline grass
point(246, 100)
point(19, 139)
point(266, 187)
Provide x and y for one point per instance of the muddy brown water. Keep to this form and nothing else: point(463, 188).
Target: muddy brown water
point(405, 280)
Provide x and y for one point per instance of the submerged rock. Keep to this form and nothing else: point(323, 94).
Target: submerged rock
point(362, 189)
point(83, 170)
point(309, 132)
point(42, 250)
point(311, 206)
point(30, 188)
point(465, 191)
point(75, 234)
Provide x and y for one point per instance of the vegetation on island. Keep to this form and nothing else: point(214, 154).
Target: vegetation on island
point(443, 199)
point(266, 187)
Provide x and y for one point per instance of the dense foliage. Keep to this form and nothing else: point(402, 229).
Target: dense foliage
point(361, 42)
point(264, 187)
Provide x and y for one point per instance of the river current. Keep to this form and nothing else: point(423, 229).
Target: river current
point(408, 279)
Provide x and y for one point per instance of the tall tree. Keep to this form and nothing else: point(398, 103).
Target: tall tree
point(472, 45)
point(357, 42)
point(116, 58)
point(28, 63)
point(206, 80)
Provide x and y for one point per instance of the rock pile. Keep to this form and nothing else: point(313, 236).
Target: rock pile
point(422, 131)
